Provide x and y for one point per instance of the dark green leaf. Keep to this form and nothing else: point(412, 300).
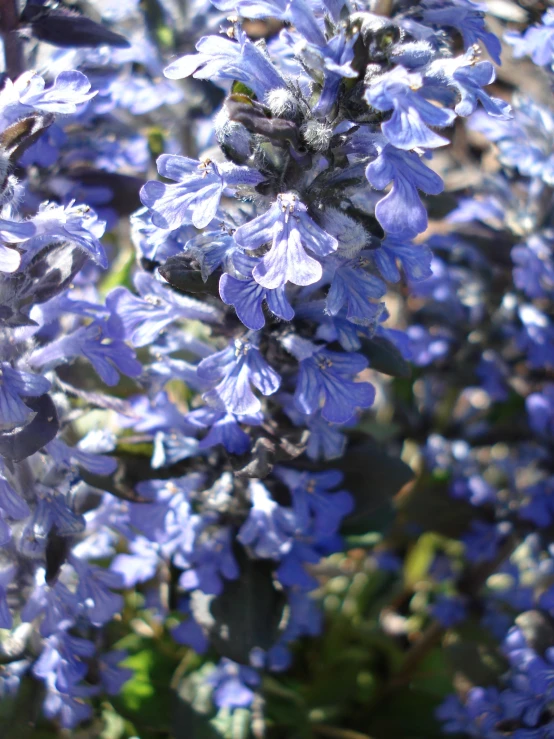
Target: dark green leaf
point(248, 612)
point(385, 357)
point(178, 272)
point(373, 477)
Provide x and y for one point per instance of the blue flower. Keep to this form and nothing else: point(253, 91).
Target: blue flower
point(141, 320)
point(113, 676)
point(212, 249)
point(233, 684)
point(14, 386)
point(449, 610)
point(540, 409)
point(536, 337)
point(68, 92)
point(537, 41)
point(356, 288)
point(139, 565)
point(223, 428)
point(299, 13)
point(78, 224)
point(402, 210)
point(414, 258)
point(200, 186)
point(223, 59)
point(108, 356)
point(57, 605)
point(290, 230)
point(467, 18)
point(315, 507)
point(66, 456)
point(269, 527)
point(189, 632)
point(324, 383)
point(13, 232)
point(534, 273)
point(247, 296)
point(412, 115)
point(6, 576)
point(11, 506)
point(95, 591)
point(235, 369)
point(469, 79)
point(209, 560)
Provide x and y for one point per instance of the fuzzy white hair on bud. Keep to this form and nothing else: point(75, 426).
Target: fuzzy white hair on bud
point(282, 103)
point(317, 134)
point(350, 234)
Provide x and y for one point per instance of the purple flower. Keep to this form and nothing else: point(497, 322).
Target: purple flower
point(235, 369)
point(195, 198)
point(291, 231)
point(412, 115)
point(402, 210)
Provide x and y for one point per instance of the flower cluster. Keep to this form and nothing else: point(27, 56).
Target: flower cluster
point(251, 333)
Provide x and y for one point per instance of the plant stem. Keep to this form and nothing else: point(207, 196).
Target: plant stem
point(13, 49)
point(335, 733)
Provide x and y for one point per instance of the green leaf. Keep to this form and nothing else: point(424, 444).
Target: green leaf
point(373, 477)
point(248, 612)
point(419, 559)
point(145, 699)
point(384, 357)
point(429, 506)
